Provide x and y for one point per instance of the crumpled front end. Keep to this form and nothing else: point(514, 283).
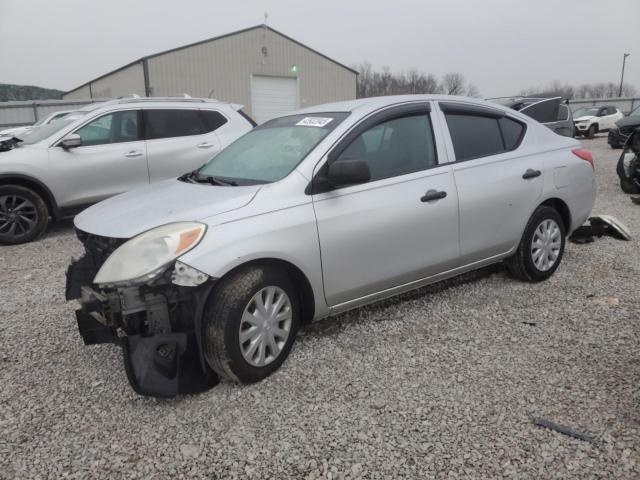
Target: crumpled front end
point(156, 323)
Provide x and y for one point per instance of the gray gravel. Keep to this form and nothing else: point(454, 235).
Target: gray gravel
point(441, 382)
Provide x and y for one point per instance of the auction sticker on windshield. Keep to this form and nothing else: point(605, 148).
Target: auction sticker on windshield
point(314, 122)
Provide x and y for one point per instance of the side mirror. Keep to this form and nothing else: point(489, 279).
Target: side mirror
point(72, 140)
point(348, 172)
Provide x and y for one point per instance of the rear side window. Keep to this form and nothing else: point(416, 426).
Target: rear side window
point(172, 123)
point(475, 136)
point(512, 132)
point(212, 120)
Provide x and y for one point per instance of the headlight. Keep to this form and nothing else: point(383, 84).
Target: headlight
point(146, 256)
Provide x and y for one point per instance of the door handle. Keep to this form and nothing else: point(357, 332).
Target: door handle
point(133, 154)
point(433, 195)
point(204, 145)
point(530, 173)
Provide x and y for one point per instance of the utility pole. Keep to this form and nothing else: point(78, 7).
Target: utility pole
point(624, 59)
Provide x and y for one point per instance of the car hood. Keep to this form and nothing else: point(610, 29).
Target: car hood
point(628, 121)
point(582, 119)
point(134, 212)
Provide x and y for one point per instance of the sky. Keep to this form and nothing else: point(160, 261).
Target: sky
point(501, 46)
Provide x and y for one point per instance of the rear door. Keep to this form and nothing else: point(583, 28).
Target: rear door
point(400, 226)
point(179, 140)
point(112, 159)
point(498, 184)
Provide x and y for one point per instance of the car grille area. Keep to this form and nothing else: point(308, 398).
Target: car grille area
point(82, 271)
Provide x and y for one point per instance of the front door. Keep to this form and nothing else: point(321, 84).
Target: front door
point(400, 226)
point(112, 159)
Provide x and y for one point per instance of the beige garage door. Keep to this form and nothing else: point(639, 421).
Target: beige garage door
point(272, 97)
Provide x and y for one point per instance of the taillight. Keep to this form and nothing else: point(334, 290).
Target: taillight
point(584, 155)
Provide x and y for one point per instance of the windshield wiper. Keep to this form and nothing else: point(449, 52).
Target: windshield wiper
point(196, 177)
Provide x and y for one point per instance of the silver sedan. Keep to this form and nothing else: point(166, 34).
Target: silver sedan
point(314, 213)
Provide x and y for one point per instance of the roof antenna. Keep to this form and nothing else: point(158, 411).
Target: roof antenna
point(264, 38)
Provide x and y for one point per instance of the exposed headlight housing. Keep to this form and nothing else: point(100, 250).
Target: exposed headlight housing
point(146, 256)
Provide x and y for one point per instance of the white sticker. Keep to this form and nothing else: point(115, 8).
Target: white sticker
point(314, 122)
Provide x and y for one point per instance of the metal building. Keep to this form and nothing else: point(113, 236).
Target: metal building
point(259, 67)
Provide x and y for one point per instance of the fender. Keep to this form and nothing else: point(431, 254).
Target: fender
point(50, 200)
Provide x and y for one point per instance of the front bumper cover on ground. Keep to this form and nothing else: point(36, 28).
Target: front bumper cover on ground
point(158, 364)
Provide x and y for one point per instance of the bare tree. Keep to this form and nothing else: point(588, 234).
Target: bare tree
point(453, 83)
point(384, 82)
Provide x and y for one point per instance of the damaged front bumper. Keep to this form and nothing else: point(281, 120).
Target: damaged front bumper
point(158, 326)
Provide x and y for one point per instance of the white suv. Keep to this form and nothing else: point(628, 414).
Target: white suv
point(591, 120)
point(105, 149)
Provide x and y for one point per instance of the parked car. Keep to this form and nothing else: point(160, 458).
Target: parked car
point(315, 213)
point(591, 120)
point(105, 149)
point(551, 112)
point(628, 167)
point(623, 129)
point(17, 131)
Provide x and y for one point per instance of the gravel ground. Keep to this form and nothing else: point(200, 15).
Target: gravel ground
point(441, 382)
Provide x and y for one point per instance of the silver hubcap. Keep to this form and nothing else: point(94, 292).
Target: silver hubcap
point(265, 326)
point(18, 215)
point(545, 246)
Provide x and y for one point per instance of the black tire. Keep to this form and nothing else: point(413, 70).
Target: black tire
point(521, 265)
point(222, 321)
point(591, 132)
point(23, 215)
point(629, 186)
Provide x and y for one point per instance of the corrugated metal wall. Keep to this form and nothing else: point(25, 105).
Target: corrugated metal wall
point(223, 68)
point(121, 82)
point(80, 93)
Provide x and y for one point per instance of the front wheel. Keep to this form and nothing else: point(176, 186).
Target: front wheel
point(23, 215)
point(541, 248)
point(591, 132)
point(250, 323)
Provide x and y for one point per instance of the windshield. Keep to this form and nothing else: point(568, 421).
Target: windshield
point(635, 113)
point(586, 112)
point(271, 151)
point(45, 131)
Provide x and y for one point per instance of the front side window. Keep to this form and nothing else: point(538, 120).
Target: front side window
point(116, 127)
point(45, 131)
point(271, 151)
point(172, 123)
point(585, 112)
point(475, 136)
point(395, 147)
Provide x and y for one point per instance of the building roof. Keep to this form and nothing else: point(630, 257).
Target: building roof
point(212, 39)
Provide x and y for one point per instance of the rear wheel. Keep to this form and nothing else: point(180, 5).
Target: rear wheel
point(250, 323)
point(23, 215)
point(591, 132)
point(541, 248)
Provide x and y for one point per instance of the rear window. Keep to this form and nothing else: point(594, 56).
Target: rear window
point(475, 136)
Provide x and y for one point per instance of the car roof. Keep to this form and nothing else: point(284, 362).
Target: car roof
point(373, 103)
point(159, 102)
